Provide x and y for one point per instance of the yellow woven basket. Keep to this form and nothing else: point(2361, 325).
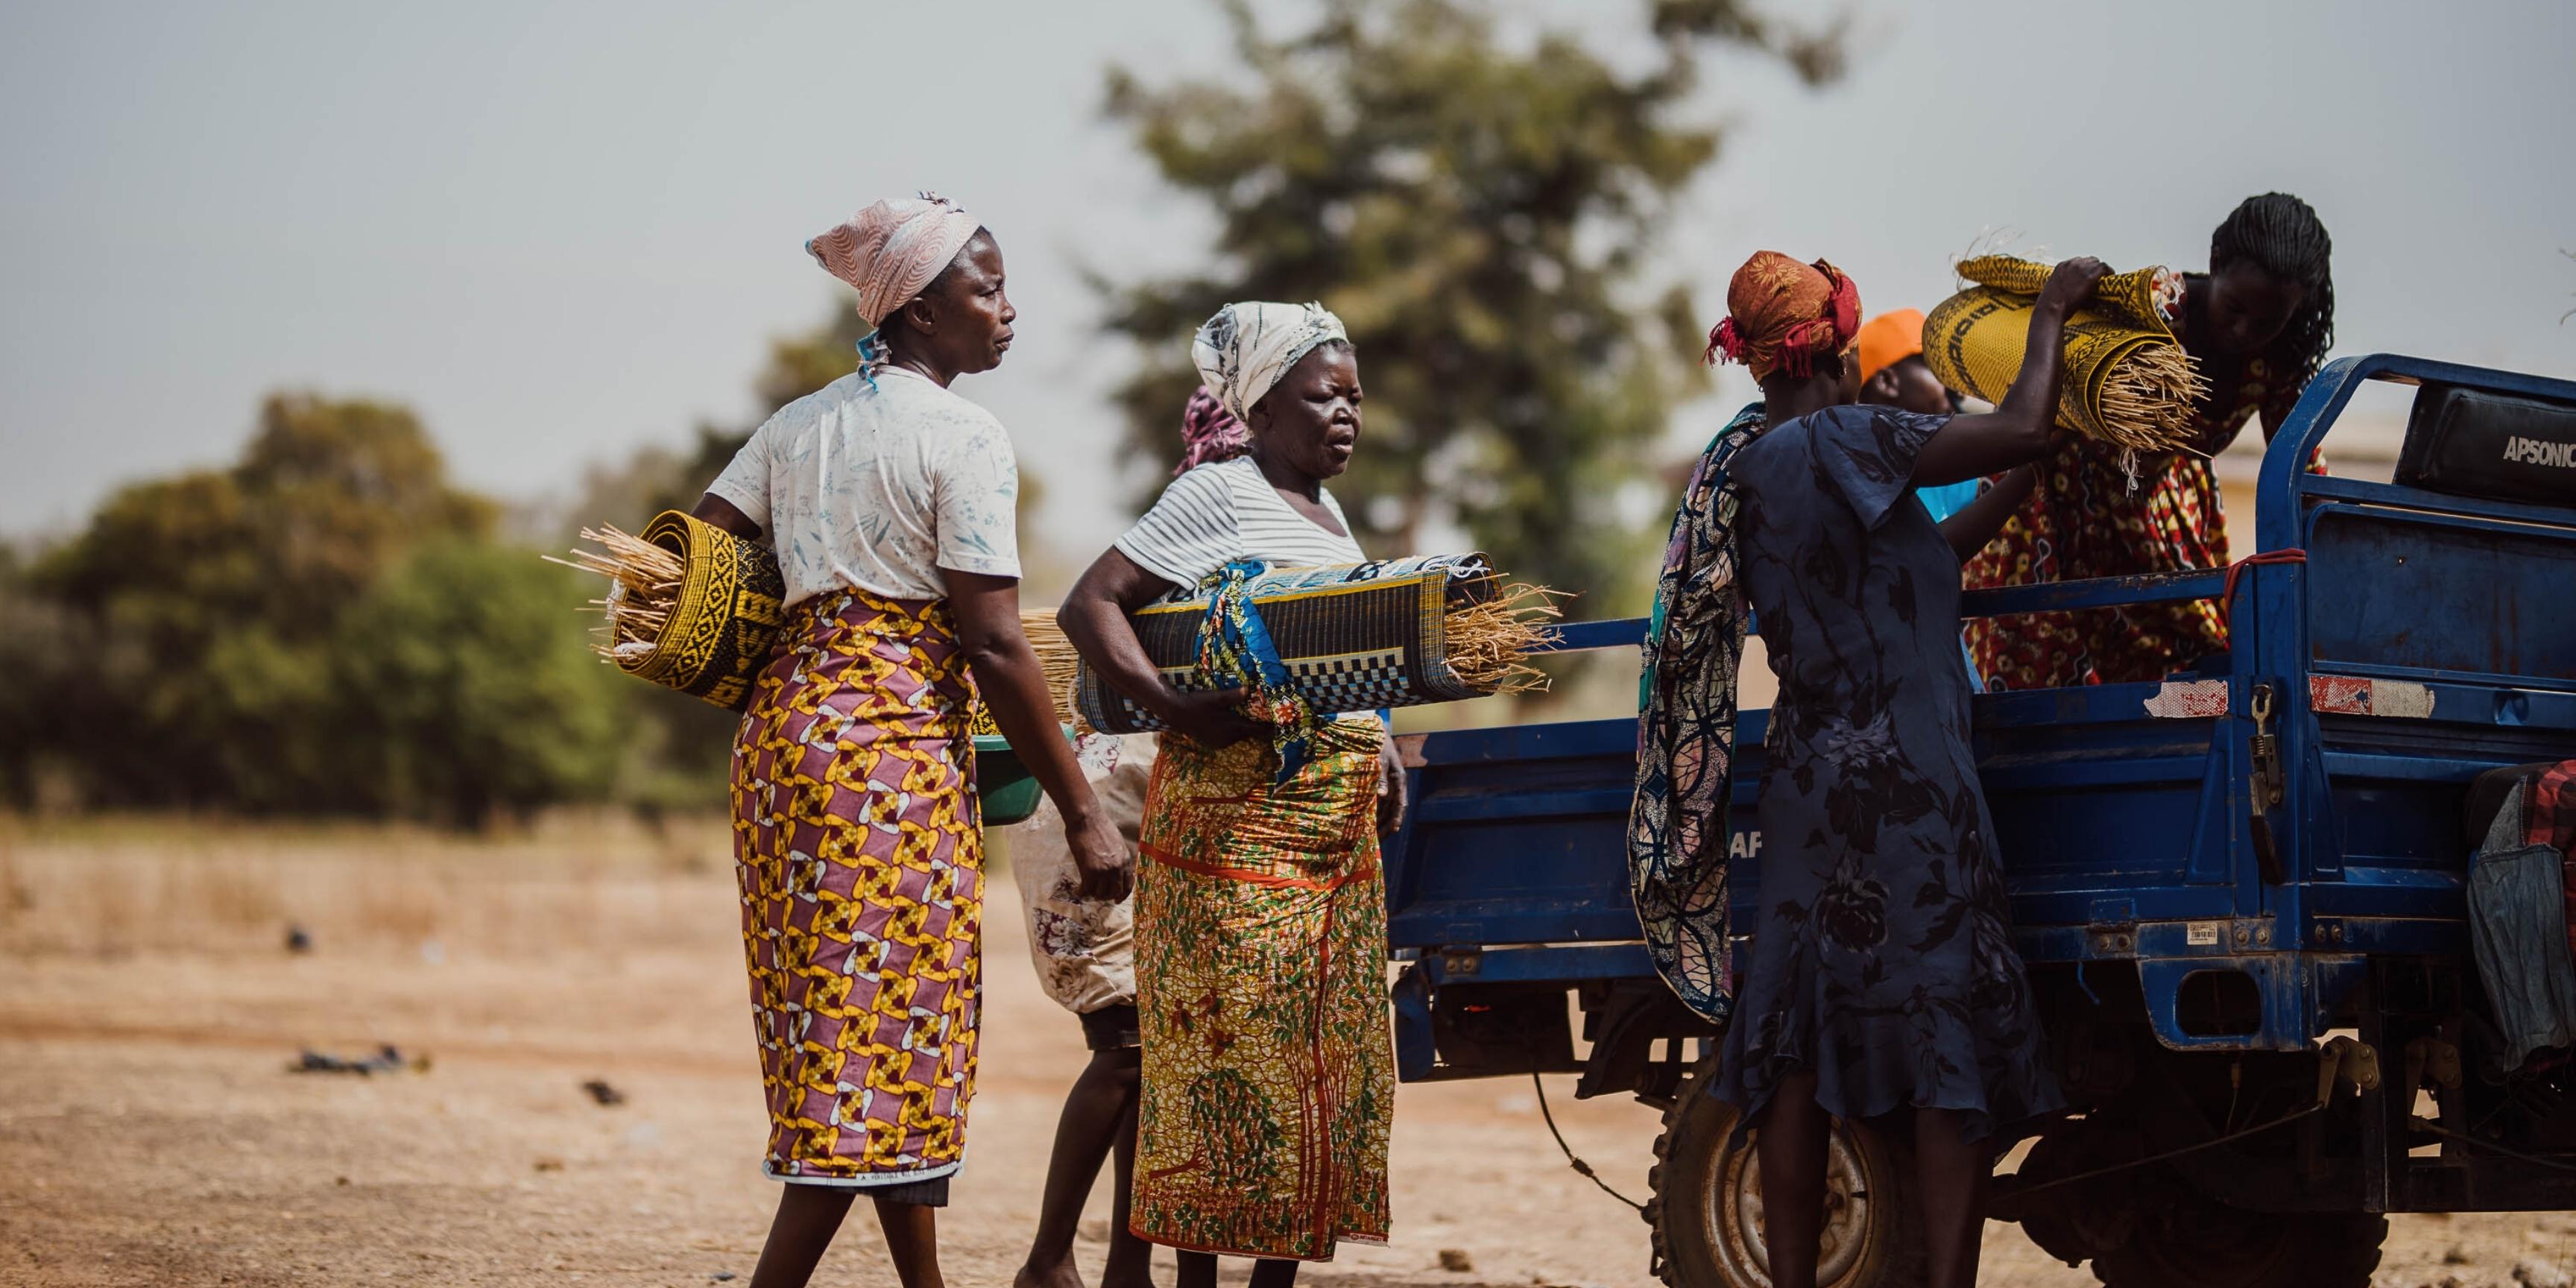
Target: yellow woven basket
point(2126, 382)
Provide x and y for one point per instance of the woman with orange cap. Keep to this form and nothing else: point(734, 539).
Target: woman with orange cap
point(1894, 374)
point(1882, 977)
point(1892, 370)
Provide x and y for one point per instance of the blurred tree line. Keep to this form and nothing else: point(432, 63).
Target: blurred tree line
point(329, 626)
point(1480, 209)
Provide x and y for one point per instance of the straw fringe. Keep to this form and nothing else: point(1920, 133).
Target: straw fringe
point(1490, 641)
point(1056, 656)
point(643, 581)
point(2147, 400)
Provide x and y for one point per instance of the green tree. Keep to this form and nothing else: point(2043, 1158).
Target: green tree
point(195, 618)
point(1479, 215)
point(325, 496)
point(44, 651)
point(475, 688)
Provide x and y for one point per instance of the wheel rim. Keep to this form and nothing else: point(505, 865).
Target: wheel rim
point(1735, 1211)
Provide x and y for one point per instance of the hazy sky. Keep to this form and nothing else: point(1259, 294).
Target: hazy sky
point(562, 231)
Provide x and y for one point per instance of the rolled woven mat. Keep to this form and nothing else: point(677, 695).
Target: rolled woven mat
point(1357, 637)
point(2127, 381)
point(695, 608)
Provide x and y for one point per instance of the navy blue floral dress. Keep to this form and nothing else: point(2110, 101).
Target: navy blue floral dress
point(1880, 960)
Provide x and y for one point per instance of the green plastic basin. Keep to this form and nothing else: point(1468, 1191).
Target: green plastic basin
point(1010, 793)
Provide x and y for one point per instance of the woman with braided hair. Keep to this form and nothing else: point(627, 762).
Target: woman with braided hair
point(2257, 326)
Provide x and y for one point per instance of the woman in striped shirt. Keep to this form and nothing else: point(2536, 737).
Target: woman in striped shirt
point(1260, 931)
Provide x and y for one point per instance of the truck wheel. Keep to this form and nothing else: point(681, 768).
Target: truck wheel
point(1706, 1205)
point(2194, 1241)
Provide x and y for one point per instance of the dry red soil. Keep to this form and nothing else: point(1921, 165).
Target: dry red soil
point(150, 1133)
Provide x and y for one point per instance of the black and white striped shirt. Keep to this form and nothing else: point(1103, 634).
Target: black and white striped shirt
point(1225, 511)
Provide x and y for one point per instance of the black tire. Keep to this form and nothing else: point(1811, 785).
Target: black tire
point(1706, 1204)
point(2194, 1241)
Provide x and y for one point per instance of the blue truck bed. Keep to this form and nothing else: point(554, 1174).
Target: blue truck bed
point(2160, 875)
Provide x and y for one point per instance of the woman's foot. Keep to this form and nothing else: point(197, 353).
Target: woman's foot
point(1129, 1269)
point(1132, 1270)
point(1099, 1120)
point(1060, 1274)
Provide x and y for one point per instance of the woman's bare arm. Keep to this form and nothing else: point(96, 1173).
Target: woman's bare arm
point(1013, 683)
point(1094, 617)
point(1971, 526)
point(723, 514)
point(2018, 430)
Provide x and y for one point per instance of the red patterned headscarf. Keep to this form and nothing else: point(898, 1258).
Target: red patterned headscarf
point(1209, 433)
point(1780, 314)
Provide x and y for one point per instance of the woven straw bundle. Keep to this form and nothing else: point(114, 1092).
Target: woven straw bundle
point(695, 608)
point(2127, 381)
point(1403, 632)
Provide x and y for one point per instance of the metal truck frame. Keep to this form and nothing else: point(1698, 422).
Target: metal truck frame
point(2240, 893)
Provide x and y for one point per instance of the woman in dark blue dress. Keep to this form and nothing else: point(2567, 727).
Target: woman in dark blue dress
point(1882, 979)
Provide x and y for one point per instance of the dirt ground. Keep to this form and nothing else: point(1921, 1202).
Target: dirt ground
point(151, 1134)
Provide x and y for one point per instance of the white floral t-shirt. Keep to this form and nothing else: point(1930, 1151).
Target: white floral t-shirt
point(880, 488)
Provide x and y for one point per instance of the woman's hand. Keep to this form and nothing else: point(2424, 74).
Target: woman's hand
point(2070, 283)
point(1390, 790)
point(1101, 855)
point(1212, 718)
point(1095, 618)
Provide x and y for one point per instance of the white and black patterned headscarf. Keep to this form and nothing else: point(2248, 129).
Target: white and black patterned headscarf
point(1248, 346)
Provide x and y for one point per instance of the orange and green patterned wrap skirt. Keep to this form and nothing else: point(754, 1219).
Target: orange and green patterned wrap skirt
point(2083, 520)
point(1261, 988)
point(861, 859)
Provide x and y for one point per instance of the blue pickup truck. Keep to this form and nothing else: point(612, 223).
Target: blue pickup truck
point(2241, 893)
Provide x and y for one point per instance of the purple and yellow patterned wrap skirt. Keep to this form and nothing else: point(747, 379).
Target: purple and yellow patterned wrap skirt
point(861, 859)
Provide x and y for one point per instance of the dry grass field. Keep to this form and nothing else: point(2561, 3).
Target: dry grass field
point(150, 1132)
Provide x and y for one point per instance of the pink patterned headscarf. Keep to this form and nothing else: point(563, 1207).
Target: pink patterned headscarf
point(892, 249)
point(1209, 433)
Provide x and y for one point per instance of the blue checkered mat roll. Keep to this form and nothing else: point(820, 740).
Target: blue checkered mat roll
point(1357, 637)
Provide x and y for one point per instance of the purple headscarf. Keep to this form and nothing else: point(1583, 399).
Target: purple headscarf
point(1209, 433)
